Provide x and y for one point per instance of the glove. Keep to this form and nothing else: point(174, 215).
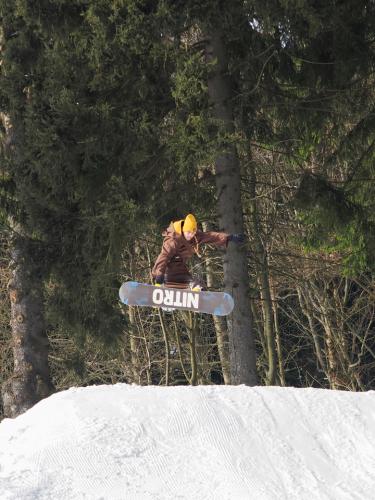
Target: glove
point(237, 238)
point(159, 280)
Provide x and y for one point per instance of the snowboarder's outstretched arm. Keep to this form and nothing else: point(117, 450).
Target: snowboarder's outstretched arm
point(219, 239)
point(213, 238)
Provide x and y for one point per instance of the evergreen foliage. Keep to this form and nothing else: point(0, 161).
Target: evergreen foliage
point(89, 93)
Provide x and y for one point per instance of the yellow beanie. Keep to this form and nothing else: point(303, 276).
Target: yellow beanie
point(190, 223)
point(187, 224)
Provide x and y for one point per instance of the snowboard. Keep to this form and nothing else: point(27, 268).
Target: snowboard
point(133, 293)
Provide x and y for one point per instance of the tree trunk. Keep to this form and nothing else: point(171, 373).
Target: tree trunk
point(31, 380)
point(304, 304)
point(133, 341)
point(166, 347)
point(192, 327)
point(220, 322)
point(280, 359)
point(227, 175)
point(262, 270)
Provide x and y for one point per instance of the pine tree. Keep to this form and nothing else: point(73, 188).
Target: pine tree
point(83, 86)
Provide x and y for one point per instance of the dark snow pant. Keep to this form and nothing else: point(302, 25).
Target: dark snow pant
point(177, 275)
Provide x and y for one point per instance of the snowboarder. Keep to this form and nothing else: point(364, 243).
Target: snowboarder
point(181, 241)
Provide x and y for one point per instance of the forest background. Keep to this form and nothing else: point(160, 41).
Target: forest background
point(118, 116)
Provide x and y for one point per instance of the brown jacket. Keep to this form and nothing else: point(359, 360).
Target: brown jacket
point(176, 251)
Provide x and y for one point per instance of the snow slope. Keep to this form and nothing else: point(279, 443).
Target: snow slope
point(210, 442)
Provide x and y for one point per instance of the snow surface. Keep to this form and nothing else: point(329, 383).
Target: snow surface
point(208, 442)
